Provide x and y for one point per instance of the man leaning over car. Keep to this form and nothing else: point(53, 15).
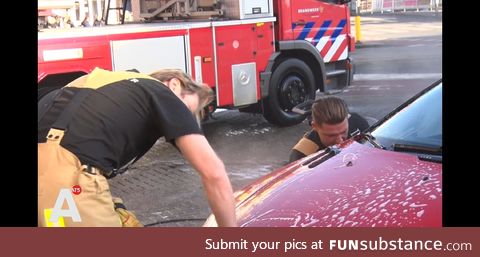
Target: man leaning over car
point(331, 125)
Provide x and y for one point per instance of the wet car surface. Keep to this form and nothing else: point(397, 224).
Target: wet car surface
point(389, 176)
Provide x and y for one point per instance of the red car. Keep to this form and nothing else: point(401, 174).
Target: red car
point(388, 176)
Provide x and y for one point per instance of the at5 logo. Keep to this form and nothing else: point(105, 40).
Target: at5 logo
point(55, 217)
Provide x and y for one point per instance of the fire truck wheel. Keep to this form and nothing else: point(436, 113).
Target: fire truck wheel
point(292, 83)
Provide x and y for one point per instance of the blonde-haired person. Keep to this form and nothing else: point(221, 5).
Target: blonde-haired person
point(332, 123)
point(96, 126)
point(189, 87)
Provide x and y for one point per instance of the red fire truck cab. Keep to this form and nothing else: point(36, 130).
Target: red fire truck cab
point(262, 56)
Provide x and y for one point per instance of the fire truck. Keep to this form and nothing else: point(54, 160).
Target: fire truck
point(263, 56)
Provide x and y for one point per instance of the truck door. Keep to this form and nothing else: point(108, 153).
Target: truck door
point(236, 49)
point(149, 54)
point(324, 24)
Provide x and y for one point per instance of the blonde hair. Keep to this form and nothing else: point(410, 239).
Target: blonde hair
point(189, 86)
point(330, 110)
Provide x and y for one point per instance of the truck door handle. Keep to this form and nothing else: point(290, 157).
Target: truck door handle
point(300, 22)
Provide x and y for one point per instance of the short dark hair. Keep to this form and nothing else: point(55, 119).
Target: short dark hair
point(330, 110)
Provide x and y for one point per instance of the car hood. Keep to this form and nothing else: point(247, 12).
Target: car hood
point(360, 186)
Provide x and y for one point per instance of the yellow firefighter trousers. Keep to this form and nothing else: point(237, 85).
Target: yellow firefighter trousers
point(60, 169)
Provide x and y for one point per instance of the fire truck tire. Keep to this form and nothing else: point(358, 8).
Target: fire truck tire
point(292, 83)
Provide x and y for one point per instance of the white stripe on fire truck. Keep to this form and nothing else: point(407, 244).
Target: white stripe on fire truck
point(344, 54)
point(62, 54)
point(324, 40)
point(321, 42)
point(333, 49)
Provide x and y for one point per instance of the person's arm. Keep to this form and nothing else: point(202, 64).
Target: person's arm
point(295, 155)
point(308, 144)
point(196, 149)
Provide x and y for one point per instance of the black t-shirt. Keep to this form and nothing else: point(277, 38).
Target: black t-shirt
point(119, 121)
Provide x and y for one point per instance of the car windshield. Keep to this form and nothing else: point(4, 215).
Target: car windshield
point(418, 124)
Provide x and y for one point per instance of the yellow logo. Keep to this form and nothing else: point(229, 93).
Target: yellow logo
point(47, 213)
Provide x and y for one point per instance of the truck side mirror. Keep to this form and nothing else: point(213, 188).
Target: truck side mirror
point(344, 1)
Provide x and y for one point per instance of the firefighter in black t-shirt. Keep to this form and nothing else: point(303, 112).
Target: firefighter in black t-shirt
point(331, 125)
point(97, 125)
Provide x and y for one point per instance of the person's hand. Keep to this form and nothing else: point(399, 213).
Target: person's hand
point(127, 217)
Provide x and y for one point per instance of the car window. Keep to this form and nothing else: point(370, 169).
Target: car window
point(420, 123)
